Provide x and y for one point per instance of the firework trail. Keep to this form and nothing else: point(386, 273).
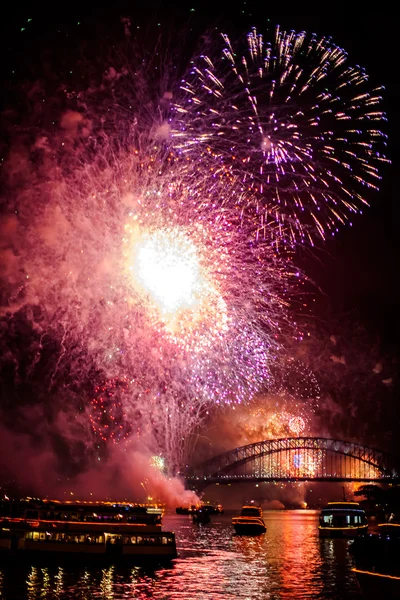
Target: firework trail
point(290, 117)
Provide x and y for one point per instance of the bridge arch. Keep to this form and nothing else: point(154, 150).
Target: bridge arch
point(298, 459)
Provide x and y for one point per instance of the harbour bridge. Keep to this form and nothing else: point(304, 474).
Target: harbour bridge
point(297, 459)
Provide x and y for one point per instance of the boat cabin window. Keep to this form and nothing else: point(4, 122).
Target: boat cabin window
point(130, 539)
point(326, 520)
point(148, 540)
point(64, 537)
point(342, 520)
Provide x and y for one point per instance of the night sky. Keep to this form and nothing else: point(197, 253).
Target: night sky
point(357, 271)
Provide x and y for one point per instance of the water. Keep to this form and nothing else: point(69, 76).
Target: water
point(289, 561)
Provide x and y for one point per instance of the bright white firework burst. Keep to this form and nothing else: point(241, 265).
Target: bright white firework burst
point(166, 265)
point(291, 119)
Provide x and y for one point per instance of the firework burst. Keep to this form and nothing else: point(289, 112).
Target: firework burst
point(157, 462)
point(292, 120)
point(147, 255)
point(304, 462)
point(107, 415)
point(297, 425)
point(148, 279)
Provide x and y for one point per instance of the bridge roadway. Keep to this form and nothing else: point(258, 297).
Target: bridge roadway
point(297, 459)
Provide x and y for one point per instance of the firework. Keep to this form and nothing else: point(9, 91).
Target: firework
point(294, 379)
point(159, 299)
point(166, 269)
point(297, 425)
point(157, 462)
point(144, 255)
point(107, 416)
point(356, 378)
point(262, 420)
point(292, 120)
point(304, 462)
point(270, 416)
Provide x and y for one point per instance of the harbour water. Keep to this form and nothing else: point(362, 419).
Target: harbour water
point(288, 562)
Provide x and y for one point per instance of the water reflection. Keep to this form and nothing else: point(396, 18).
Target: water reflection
point(336, 565)
point(106, 583)
point(59, 584)
point(300, 565)
point(32, 583)
point(84, 585)
point(288, 562)
point(40, 583)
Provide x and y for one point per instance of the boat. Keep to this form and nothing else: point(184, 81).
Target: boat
point(190, 510)
point(377, 566)
point(342, 519)
point(250, 521)
point(200, 515)
point(377, 585)
point(213, 510)
point(117, 530)
point(184, 510)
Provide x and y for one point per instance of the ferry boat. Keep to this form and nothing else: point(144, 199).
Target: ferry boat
point(377, 566)
point(119, 530)
point(250, 521)
point(342, 519)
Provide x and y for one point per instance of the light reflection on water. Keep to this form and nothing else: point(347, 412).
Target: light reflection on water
point(288, 562)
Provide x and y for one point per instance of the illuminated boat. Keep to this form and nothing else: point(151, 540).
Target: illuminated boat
point(250, 521)
point(81, 529)
point(377, 565)
point(342, 519)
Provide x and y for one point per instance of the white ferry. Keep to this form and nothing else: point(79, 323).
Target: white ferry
point(342, 519)
point(75, 529)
